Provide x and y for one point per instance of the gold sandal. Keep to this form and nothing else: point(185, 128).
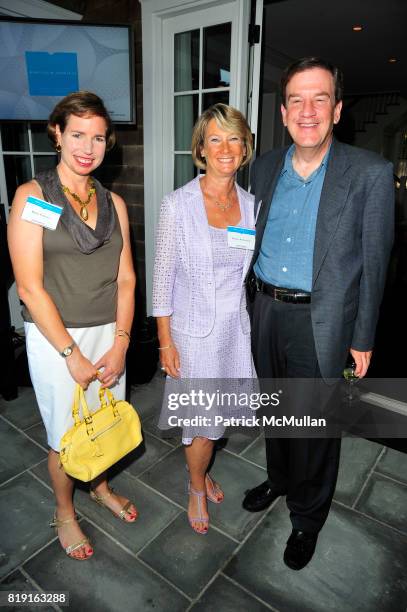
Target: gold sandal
point(57, 523)
point(100, 499)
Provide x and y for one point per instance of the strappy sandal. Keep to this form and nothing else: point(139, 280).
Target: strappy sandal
point(215, 490)
point(57, 523)
point(200, 495)
point(125, 511)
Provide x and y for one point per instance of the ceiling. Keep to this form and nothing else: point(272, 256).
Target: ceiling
point(297, 28)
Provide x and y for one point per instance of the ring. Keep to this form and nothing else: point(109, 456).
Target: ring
point(162, 369)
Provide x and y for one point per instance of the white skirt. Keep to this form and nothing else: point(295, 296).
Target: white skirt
point(54, 386)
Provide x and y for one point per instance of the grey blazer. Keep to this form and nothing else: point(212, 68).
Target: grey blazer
point(353, 240)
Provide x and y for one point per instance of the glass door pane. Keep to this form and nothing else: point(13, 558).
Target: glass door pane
point(14, 137)
point(44, 162)
point(213, 97)
point(184, 170)
point(40, 139)
point(186, 61)
point(216, 55)
point(18, 170)
point(185, 115)
point(202, 66)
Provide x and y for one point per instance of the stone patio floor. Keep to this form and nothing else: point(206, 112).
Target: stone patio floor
point(159, 563)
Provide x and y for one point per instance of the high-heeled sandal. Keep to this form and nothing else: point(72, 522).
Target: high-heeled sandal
point(213, 484)
point(125, 511)
point(216, 490)
point(200, 495)
point(57, 523)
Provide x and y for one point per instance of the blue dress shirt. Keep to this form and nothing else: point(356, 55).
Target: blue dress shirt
point(287, 247)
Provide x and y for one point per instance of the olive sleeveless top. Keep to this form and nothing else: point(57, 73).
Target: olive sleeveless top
point(81, 264)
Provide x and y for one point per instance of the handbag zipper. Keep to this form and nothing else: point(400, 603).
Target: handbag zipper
point(102, 431)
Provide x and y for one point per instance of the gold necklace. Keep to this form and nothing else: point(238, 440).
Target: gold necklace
point(83, 204)
point(223, 207)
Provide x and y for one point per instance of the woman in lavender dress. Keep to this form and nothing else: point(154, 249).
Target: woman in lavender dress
point(198, 293)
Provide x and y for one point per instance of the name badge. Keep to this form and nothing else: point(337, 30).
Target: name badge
point(41, 212)
point(241, 237)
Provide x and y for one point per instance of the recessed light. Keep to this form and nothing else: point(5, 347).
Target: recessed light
point(357, 28)
point(392, 60)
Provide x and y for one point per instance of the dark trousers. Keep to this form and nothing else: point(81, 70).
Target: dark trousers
point(305, 469)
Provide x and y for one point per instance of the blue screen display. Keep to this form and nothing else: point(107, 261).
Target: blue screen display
point(41, 62)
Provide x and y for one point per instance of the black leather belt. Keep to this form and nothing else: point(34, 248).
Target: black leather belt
point(293, 296)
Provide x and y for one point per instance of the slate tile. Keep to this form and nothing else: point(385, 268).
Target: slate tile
point(23, 412)
point(147, 398)
point(26, 508)
point(236, 441)
point(357, 459)
point(18, 583)
point(171, 436)
point(225, 596)
point(386, 501)
point(145, 455)
point(187, 559)
point(154, 512)
point(358, 565)
point(17, 452)
point(234, 475)
point(110, 580)
point(394, 464)
point(38, 433)
point(257, 453)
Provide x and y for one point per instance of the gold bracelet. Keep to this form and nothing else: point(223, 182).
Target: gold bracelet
point(162, 348)
point(123, 333)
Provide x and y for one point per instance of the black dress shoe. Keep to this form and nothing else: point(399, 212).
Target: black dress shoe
point(260, 497)
point(300, 549)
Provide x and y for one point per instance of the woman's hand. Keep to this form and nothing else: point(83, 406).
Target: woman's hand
point(81, 369)
point(113, 363)
point(169, 359)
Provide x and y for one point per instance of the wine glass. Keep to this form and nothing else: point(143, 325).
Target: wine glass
point(350, 377)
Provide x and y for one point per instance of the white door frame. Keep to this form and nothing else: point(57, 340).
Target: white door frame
point(157, 181)
point(254, 73)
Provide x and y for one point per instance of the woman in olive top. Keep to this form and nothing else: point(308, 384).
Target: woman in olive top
point(77, 284)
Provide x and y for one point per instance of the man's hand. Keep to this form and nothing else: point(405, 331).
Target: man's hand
point(362, 361)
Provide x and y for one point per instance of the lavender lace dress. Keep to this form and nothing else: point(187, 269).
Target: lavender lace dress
point(225, 353)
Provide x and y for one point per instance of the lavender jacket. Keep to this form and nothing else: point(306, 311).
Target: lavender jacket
point(184, 282)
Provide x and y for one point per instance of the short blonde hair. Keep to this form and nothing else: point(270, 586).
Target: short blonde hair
point(227, 118)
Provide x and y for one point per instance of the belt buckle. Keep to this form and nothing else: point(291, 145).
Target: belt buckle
point(280, 294)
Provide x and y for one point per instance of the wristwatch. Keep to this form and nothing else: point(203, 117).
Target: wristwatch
point(67, 350)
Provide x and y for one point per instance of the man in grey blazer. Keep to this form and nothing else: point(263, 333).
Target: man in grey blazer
point(323, 238)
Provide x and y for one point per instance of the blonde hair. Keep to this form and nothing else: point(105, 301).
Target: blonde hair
point(227, 118)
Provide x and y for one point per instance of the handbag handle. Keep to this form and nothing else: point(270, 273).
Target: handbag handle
point(79, 400)
point(110, 397)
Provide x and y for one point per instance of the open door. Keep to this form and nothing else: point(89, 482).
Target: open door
point(194, 54)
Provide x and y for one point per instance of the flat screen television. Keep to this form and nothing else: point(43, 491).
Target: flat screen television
point(41, 61)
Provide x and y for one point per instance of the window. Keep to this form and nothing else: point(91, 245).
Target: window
point(24, 151)
point(201, 78)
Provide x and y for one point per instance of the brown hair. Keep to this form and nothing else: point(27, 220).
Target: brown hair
point(307, 63)
point(81, 104)
point(229, 119)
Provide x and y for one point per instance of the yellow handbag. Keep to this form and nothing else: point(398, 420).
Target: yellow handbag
point(94, 444)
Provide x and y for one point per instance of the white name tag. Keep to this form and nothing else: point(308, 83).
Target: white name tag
point(41, 212)
point(241, 237)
